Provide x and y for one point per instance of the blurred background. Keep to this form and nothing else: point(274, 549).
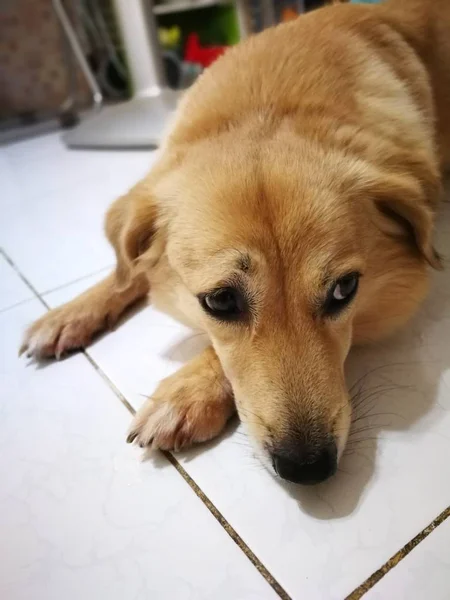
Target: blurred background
point(109, 72)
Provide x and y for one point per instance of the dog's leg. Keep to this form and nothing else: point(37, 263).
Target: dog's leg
point(73, 325)
point(130, 229)
point(193, 405)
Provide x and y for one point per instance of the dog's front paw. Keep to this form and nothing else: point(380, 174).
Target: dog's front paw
point(187, 408)
point(67, 328)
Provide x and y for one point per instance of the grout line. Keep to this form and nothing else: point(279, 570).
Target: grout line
point(16, 304)
point(22, 277)
point(63, 285)
point(174, 462)
point(398, 556)
point(51, 290)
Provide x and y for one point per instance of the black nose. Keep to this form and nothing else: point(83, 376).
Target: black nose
point(299, 466)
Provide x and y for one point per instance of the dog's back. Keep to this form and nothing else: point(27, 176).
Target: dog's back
point(314, 66)
point(426, 26)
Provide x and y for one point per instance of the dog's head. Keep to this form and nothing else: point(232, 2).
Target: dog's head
point(286, 254)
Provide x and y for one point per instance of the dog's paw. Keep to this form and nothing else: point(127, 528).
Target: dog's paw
point(62, 330)
point(187, 408)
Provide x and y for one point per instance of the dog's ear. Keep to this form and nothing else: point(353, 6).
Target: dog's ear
point(131, 228)
point(406, 215)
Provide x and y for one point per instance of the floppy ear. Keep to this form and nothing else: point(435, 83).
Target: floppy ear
point(403, 207)
point(131, 227)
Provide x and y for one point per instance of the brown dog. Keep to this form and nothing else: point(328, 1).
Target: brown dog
point(289, 216)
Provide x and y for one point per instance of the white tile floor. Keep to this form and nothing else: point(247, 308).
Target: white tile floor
point(82, 517)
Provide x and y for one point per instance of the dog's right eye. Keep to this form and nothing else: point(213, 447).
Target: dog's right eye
point(226, 304)
point(341, 294)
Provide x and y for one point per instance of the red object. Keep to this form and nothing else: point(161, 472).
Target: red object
point(203, 55)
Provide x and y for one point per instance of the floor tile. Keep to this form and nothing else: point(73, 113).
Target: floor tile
point(12, 289)
point(10, 191)
point(54, 213)
point(324, 541)
point(80, 515)
point(44, 164)
point(424, 573)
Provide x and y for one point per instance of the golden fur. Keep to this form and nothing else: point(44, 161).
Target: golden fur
point(307, 152)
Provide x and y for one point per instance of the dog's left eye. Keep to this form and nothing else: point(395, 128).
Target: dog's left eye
point(226, 304)
point(341, 293)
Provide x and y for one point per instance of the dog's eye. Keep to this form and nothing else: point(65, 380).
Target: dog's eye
point(341, 293)
point(226, 304)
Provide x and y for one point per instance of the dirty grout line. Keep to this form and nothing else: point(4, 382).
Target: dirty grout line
point(228, 528)
point(109, 383)
point(172, 460)
point(398, 556)
point(200, 494)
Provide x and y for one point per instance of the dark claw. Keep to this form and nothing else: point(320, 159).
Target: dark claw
point(149, 443)
point(131, 437)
